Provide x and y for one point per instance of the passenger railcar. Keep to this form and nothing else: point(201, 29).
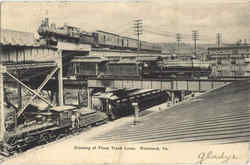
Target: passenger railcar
point(132, 43)
point(87, 38)
point(125, 42)
point(118, 103)
point(108, 39)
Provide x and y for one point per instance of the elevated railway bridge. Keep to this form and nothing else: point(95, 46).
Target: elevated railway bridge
point(174, 87)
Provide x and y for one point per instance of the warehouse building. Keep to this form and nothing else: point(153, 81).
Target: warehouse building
point(231, 61)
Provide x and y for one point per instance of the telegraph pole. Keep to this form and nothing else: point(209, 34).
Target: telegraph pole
point(219, 39)
point(138, 29)
point(178, 39)
point(195, 37)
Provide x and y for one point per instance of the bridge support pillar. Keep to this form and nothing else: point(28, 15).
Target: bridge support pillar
point(78, 98)
point(60, 78)
point(89, 91)
point(2, 115)
point(172, 97)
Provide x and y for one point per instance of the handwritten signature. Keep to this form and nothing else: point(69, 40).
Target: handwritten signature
point(221, 157)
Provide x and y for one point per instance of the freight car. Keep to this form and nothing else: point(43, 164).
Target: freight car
point(35, 126)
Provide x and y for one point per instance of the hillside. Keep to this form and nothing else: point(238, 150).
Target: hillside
point(185, 48)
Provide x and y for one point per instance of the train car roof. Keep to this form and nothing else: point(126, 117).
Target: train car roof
point(110, 96)
point(107, 32)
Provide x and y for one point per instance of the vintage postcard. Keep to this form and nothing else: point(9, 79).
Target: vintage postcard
point(125, 82)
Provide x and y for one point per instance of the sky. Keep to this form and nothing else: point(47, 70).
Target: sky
point(162, 19)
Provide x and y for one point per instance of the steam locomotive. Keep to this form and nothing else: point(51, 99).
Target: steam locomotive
point(52, 34)
point(36, 126)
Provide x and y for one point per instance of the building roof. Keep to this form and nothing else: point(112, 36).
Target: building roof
point(17, 38)
point(100, 31)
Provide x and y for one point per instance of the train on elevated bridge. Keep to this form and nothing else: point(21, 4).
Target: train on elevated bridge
point(98, 39)
point(141, 67)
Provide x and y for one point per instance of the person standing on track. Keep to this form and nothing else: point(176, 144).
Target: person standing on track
point(73, 121)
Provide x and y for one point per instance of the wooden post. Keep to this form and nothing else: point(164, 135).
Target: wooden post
point(60, 78)
point(2, 114)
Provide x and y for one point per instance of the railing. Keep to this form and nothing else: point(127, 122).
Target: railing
point(199, 85)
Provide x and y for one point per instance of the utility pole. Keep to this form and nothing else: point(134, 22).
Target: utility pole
point(178, 39)
point(138, 29)
point(219, 39)
point(195, 37)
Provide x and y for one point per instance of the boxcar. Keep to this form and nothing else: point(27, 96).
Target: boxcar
point(87, 38)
